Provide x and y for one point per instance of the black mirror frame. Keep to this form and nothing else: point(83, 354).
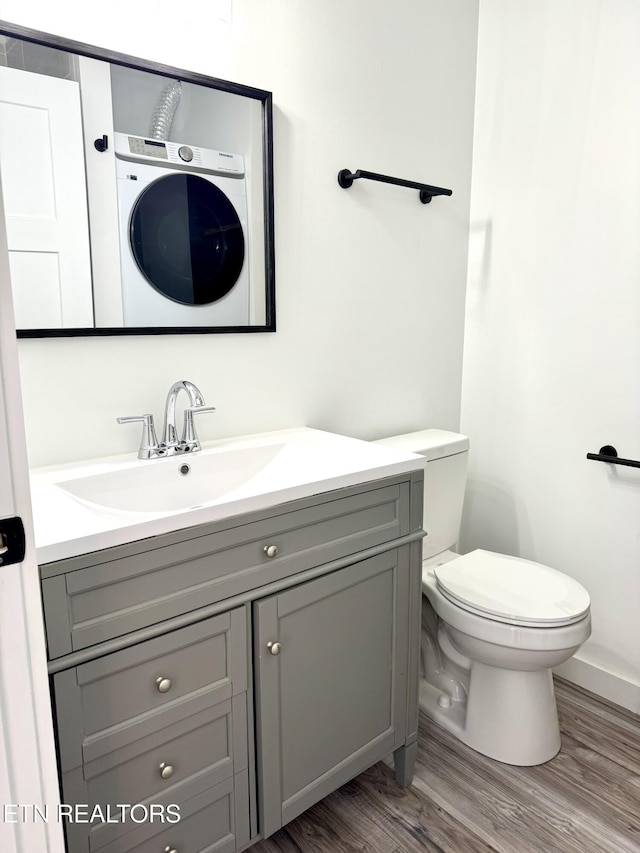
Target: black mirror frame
point(266, 99)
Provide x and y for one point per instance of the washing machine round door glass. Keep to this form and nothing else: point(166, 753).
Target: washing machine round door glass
point(187, 239)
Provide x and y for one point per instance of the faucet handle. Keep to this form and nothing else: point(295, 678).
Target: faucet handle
point(149, 443)
point(189, 438)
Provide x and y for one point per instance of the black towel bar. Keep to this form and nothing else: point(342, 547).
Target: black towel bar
point(346, 178)
point(610, 454)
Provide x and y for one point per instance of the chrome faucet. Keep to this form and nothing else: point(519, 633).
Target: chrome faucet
point(189, 440)
point(170, 445)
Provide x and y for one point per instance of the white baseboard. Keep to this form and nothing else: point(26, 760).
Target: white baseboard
point(600, 681)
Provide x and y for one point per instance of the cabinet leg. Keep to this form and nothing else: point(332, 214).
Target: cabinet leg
point(404, 761)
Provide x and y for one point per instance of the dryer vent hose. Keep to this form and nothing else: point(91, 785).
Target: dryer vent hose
point(165, 110)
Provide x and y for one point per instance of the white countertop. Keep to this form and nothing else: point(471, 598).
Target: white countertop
point(310, 462)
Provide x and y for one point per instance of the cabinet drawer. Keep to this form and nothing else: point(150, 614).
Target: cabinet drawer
point(132, 587)
point(199, 749)
point(207, 823)
point(203, 742)
point(110, 703)
point(214, 818)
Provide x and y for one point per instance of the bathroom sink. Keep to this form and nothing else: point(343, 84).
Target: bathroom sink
point(86, 506)
point(172, 485)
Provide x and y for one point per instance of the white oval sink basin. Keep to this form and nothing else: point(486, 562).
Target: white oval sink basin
point(172, 485)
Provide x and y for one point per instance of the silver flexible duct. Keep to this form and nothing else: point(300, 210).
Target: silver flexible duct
point(165, 110)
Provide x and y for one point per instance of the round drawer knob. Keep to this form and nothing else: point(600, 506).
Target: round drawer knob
point(163, 684)
point(274, 648)
point(166, 770)
point(271, 550)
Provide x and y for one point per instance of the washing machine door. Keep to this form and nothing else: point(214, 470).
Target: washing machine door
point(187, 239)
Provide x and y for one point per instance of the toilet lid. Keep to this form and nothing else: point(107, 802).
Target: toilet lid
point(510, 589)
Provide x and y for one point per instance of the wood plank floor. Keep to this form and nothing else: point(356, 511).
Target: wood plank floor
point(586, 800)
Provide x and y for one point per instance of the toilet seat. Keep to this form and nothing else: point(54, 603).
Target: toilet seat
point(512, 590)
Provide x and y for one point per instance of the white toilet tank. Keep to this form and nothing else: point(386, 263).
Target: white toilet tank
point(445, 477)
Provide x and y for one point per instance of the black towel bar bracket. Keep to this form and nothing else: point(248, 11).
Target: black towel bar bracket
point(608, 453)
point(427, 192)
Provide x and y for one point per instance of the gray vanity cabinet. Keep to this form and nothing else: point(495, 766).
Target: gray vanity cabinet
point(240, 670)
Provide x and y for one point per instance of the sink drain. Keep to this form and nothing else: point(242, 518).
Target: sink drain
point(184, 470)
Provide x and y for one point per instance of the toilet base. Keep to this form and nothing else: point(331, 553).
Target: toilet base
point(509, 715)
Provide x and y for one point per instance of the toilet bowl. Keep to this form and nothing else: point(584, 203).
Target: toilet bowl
point(493, 626)
point(486, 677)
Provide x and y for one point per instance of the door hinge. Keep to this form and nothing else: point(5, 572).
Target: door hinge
point(12, 541)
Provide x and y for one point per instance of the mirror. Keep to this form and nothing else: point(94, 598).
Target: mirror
point(138, 198)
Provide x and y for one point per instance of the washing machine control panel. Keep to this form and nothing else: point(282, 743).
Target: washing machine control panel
point(148, 148)
point(140, 149)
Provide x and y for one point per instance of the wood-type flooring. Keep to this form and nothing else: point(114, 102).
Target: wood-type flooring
point(586, 800)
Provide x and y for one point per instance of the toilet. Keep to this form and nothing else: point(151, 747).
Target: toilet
point(493, 626)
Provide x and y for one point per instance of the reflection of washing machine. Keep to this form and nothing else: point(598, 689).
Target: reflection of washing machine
point(183, 227)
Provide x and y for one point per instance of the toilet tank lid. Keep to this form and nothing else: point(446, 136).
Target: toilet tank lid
point(430, 443)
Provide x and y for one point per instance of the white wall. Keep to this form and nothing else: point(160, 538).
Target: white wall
point(552, 343)
point(370, 283)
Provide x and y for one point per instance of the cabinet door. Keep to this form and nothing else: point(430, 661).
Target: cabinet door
point(331, 677)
